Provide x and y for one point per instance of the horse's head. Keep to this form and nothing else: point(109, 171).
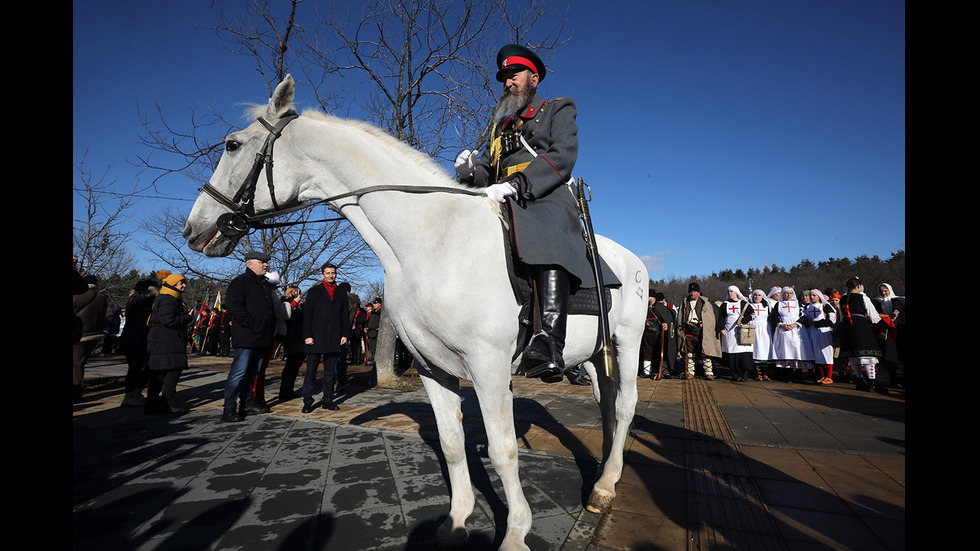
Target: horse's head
point(242, 189)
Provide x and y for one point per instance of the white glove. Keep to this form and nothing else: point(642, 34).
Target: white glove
point(499, 192)
point(272, 278)
point(465, 162)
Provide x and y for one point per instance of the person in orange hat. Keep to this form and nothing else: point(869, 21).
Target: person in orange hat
point(166, 344)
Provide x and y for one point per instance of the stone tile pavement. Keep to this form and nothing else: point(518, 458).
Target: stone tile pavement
point(710, 465)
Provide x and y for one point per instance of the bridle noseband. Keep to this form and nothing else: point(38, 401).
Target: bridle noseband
point(242, 215)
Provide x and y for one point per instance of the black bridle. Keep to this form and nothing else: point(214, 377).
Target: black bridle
point(242, 217)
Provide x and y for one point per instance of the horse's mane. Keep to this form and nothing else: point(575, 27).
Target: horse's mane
point(424, 161)
point(255, 110)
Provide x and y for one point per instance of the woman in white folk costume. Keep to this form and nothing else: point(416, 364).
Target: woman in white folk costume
point(762, 349)
point(820, 319)
point(787, 343)
point(806, 363)
point(774, 295)
point(735, 311)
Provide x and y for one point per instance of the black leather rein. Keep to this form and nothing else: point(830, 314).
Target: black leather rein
point(242, 217)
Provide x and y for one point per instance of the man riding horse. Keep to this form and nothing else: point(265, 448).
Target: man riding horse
point(533, 148)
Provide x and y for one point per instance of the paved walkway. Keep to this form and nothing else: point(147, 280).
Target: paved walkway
point(710, 465)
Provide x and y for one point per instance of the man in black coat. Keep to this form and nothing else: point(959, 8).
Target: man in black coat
point(253, 323)
point(326, 329)
point(224, 333)
point(669, 335)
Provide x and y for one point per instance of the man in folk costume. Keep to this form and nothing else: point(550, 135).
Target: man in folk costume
point(666, 312)
point(654, 331)
point(697, 333)
point(657, 346)
point(533, 149)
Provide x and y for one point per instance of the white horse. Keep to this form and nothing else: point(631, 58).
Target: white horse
point(446, 282)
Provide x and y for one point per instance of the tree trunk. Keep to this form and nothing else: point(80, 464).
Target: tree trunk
point(384, 356)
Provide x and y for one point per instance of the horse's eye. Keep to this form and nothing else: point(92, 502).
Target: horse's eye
point(231, 145)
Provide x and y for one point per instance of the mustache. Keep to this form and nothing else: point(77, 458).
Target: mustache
point(509, 104)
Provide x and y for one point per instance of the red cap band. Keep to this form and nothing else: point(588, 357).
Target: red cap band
point(516, 60)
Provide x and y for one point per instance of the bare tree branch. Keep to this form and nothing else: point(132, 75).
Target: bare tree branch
point(98, 238)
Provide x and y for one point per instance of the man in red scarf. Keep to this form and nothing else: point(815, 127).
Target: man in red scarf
point(325, 331)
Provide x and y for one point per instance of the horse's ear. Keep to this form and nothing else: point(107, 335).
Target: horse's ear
point(282, 99)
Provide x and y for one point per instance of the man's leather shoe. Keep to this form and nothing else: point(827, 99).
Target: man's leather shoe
point(330, 405)
point(231, 415)
point(257, 410)
point(308, 408)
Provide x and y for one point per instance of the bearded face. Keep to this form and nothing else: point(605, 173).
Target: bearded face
point(519, 88)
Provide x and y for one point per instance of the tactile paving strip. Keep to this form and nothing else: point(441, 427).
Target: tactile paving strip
point(725, 507)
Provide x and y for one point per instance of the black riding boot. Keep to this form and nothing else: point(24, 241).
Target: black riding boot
point(543, 357)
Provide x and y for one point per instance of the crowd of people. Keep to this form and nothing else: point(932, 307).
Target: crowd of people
point(157, 330)
point(814, 336)
point(811, 337)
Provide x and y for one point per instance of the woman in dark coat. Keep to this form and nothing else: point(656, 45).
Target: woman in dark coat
point(132, 342)
point(293, 347)
point(166, 345)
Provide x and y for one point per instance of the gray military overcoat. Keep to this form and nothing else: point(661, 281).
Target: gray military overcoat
point(546, 228)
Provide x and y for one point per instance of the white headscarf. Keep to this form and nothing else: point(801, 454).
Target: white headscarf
point(823, 297)
point(778, 291)
point(886, 302)
point(737, 292)
point(791, 290)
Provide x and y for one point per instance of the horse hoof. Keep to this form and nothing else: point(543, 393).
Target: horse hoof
point(451, 540)
point(599, 501)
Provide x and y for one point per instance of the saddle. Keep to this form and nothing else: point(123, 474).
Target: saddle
point(581, 301)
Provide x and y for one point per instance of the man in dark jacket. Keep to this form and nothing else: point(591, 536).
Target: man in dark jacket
point(89, 311)
point(326, 329)
point(253, 322)
point(224, 333)
point(658, 347)
point(133, 339)
point(533, 149)
point(353, 303)
point(373, 328)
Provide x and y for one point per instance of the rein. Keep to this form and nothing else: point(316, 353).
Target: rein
point(242, 217)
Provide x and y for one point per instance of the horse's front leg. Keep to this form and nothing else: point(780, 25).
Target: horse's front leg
point(445, 399)
point(497, 405)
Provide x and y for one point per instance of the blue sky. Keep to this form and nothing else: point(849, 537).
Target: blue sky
point(714, 134)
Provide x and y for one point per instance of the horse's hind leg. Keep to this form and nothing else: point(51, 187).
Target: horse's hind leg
point(617, 403)
point(444, 396)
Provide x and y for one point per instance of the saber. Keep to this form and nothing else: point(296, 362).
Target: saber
point(593, 250)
